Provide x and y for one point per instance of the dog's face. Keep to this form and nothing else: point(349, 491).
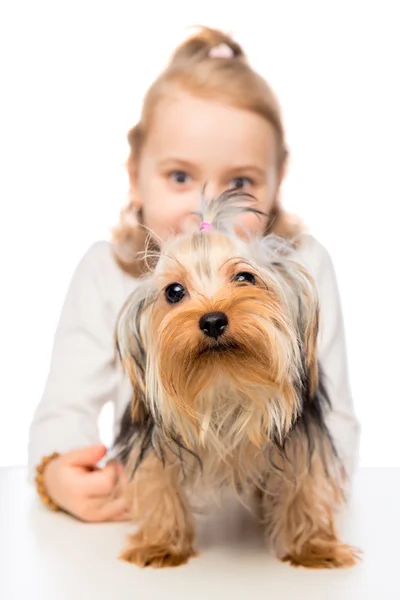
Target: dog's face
point(219, 316)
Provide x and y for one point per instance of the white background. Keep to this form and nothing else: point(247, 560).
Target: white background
point(72, 79)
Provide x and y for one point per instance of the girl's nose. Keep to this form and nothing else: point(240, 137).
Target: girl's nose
point(210, 190)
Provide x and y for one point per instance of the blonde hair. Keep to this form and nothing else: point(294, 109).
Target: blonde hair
point(231, 81)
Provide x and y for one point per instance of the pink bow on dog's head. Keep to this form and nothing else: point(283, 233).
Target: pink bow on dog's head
point(205, 226)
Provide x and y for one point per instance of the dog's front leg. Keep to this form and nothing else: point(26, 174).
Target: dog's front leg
point(160, 510)
point(301, 501)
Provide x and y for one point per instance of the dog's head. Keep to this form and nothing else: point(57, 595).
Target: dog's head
point(220, 317)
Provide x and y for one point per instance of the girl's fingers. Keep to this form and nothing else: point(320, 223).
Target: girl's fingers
point(97, 484)
point(123, 516)
point(113, 510)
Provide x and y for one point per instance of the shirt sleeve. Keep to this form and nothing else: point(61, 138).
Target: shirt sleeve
point(82, 375)
point(342, 421)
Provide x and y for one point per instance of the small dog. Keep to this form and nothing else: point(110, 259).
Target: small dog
point(220, 343)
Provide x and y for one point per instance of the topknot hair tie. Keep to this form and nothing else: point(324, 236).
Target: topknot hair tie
point(205, 226)
point(221, 51)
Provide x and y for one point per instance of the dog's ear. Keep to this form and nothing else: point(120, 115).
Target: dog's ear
point(308, 325)
point(303, 303)
point(278, 256)
point(131, 342)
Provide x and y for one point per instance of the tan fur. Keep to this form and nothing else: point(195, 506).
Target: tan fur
point(299, 505)
point(166, 532)
point(180, 367)
point(231, 409)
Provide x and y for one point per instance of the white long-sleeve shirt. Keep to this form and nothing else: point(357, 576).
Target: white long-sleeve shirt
point(83, 375)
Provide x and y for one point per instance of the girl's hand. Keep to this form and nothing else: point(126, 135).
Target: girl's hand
point(91, 494)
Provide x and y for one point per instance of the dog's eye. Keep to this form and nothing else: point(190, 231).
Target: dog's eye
point(174, 293)
point(245, 277)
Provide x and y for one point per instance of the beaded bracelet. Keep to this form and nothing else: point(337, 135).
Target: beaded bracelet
point(39, 479)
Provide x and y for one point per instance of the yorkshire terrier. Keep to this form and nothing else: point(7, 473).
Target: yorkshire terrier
point(220, 343)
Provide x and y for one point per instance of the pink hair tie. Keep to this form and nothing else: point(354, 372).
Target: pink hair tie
point(221, 51)
point(205, 226)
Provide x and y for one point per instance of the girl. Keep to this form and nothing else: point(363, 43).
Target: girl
point(207, 118)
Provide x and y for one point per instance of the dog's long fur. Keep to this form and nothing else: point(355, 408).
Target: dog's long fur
point(245, 410)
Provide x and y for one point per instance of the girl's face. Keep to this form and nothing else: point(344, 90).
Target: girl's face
point(192, 142)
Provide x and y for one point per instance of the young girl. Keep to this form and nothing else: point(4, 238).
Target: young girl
point(208, 118)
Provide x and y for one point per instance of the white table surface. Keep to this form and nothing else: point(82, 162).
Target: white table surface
point(50, 556)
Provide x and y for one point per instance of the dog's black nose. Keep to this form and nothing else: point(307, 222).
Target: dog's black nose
point(213, 324)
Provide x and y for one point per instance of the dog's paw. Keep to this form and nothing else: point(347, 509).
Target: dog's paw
point(157, 557)
point(319, 557)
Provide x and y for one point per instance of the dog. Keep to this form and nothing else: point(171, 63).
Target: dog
point(220, 344)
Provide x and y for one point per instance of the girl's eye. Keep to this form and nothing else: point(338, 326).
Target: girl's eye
point(239, 183)
point(245, 277)
point(179, 177)
point(174, 293)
